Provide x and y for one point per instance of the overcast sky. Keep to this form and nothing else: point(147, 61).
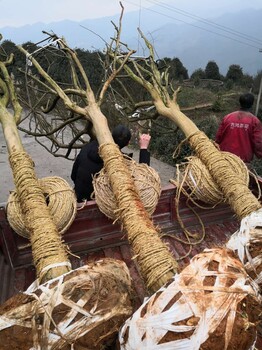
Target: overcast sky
point(21, 12)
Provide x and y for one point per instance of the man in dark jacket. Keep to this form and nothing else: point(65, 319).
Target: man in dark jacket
point(240, 132)
point(88, 161)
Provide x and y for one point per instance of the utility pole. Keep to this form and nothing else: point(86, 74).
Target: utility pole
point(259, 93)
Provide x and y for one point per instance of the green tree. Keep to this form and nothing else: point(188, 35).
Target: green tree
point(235, 73)
point(8, 48)
point(212, 71)
point(180, 70)
point(247, 81)
point(198, 74)
point(176, 69)
point(257, 80)
point(91, 62)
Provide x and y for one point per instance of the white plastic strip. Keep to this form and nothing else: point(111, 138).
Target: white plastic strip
point(36, 283)
point(186, 301)
point(240, 240)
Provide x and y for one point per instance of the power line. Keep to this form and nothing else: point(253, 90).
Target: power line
point(196, 26)
point(206, 21)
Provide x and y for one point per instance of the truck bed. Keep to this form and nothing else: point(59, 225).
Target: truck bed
point(93, 236)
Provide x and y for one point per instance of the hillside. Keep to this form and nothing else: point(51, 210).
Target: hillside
point(194, 44)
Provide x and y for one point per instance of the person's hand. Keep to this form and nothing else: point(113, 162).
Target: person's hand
point(144, 140)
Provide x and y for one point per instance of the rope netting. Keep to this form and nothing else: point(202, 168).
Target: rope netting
point(147, 183)
point(211, 304)
point(83, 308)
point(60, 199)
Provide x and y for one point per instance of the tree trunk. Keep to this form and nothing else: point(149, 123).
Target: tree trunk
point(237, 193)
point(154, 258)
point(49, 252)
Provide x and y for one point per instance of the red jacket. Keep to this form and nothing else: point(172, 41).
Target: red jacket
point(240, 133)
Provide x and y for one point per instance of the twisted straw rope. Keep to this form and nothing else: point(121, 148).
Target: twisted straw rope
point(47, 245)
point(202, 185)
point(154, 258)
point(60, 200)
point(147, 182)
point(195, 182)
point(231, 183)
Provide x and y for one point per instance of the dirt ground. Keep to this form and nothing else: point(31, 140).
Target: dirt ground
point(48, 165)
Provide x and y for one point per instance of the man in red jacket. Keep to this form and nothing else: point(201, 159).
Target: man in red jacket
point(240, 132)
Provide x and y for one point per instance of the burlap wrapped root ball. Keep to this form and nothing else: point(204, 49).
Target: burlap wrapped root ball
point(200, 182)
point(60, 199)
point(246, 242)
point(147, 182)
point(81, 309)
point(210, 305)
